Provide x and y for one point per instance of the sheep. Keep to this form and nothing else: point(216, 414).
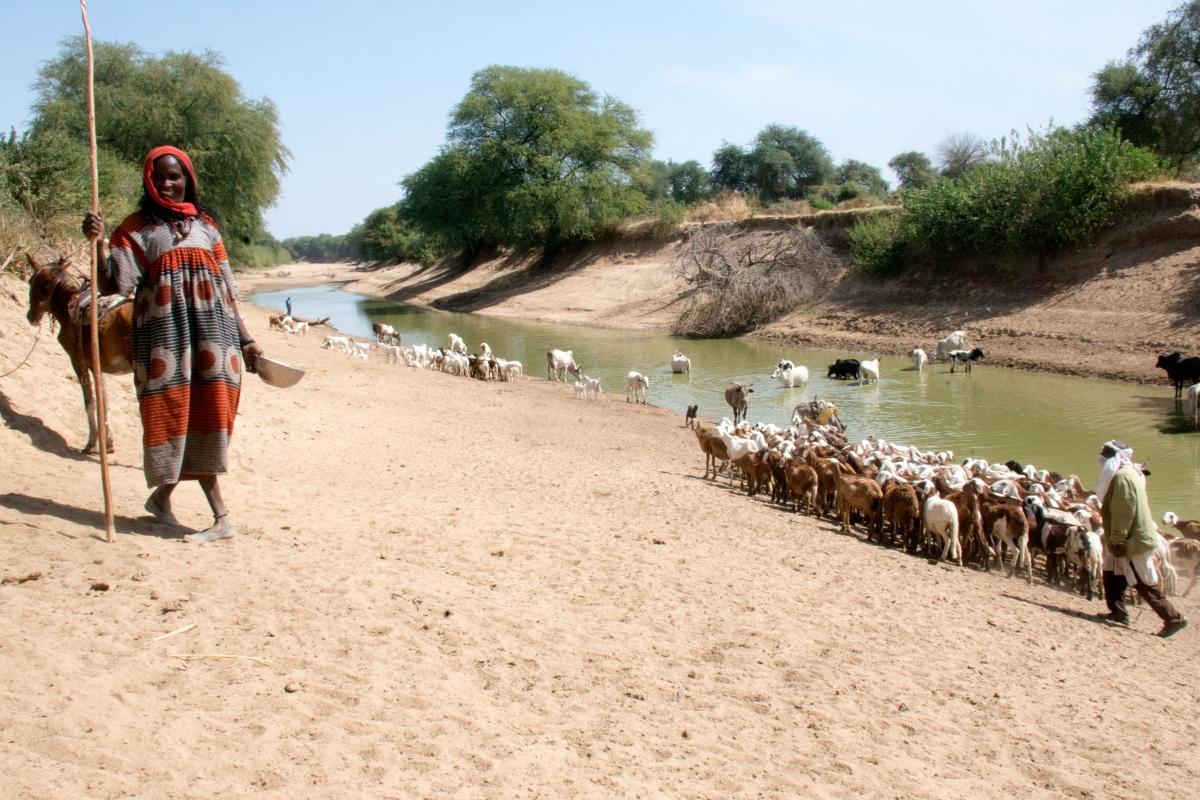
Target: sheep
point(680, 363)
point(1180, 371)
point(457, 345)
point(868, 372)
point(966, 357)
point(1186, 553)
point(636, 385)
point(940, 517)
point(790, 376)
point(592, 388)
point(1188, 528)
point(559, 362)
point(737, 395)
point(920, 358)
point(955, 341)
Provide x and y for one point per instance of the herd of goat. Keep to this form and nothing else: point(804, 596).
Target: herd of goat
point(972, 513)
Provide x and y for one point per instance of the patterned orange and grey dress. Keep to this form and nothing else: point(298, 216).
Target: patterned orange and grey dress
point(187, 362)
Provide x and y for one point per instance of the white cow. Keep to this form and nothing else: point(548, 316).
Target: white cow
point(955, 341)
point(636, 384)
point(559, 362)
point(790, 375)
point(680, 363)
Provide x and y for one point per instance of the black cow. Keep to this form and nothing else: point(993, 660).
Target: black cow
point(1180, 371)
point(843, 368)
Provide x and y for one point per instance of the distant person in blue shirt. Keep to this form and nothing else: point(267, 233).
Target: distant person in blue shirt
point(288, 303)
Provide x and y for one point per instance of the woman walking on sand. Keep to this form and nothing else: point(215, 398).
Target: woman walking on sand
point(189, 341)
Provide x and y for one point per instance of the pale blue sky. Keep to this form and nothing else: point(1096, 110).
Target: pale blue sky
point(364, 87)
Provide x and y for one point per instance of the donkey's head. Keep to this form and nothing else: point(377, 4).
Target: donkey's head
point(46, 279)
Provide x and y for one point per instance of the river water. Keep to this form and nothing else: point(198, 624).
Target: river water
point(1053, 421)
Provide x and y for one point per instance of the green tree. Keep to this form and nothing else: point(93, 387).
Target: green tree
point(865, 177)
point(533, 156)
point(914, 169)
point(182, 99)
point(1153, 97)
point(786, 162)
point(49, 175)
point(731, 169)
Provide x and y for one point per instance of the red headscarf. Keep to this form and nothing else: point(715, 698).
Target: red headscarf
point(185, 208)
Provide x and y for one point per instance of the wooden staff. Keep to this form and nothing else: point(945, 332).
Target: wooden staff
point(97, 371)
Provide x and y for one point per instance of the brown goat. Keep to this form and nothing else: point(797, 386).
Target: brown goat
point(1006, 522)
point(712, 445)
point(1186, 553)
point(864, 496)
point(970, 527)
point(828, 472)
point(802, 483)
point(903, 512)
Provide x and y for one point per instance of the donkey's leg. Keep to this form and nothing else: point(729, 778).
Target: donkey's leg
point(108, 434)
point(84, 374)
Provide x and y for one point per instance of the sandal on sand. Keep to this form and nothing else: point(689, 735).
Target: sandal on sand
point(222, 529)
point(163, 516)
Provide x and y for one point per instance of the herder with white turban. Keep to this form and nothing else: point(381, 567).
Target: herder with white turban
point(1130, 539)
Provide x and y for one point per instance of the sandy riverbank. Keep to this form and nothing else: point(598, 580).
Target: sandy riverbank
point(446, 588)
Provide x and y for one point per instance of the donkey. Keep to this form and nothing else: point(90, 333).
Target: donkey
point(51, 289)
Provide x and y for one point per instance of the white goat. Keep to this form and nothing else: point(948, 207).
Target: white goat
point(592, 388)
point(941, 518)
point(920, 359)
point(868, 372)
point(457, 345)
point(636, 385)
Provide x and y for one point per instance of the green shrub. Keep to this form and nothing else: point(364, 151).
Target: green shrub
point(1052, 191)
point(820, 202)
point(667, 216)
point(878, 244)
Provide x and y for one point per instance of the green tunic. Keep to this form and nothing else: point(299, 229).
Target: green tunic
point(1126, 513)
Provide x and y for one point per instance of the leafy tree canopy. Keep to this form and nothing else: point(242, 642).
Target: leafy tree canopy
point(786, 161)
point(914, 169)
point(1153, 97)
point(731, 169)
point(182, 99)
point(533, 156)
point(867, 178)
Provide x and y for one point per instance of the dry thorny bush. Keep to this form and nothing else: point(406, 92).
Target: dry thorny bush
point(739, 279)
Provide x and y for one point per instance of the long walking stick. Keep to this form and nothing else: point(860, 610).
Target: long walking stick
point(97, 370)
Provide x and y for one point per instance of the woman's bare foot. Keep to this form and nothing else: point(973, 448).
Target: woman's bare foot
point(222, 528)
point(161, 515)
